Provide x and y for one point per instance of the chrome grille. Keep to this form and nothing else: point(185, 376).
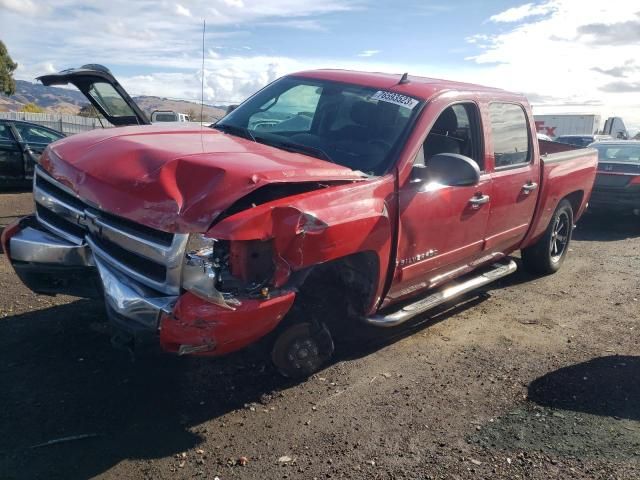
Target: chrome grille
point(152, 257)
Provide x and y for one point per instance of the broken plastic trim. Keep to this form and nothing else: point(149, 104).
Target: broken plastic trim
point(200, 272)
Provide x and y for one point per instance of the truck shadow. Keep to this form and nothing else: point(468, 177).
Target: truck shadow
point(60, 377)
point(600, 227)
point(589, 409)
point(607, 386)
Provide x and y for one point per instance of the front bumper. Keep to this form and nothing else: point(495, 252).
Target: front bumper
point(49, 264)
point(52, 265)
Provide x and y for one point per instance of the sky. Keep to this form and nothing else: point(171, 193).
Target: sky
point(566, 55)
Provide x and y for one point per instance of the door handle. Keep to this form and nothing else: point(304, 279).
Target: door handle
point(529, 187)
point(477, 200)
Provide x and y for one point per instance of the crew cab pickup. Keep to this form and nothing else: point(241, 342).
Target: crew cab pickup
point(327, 202)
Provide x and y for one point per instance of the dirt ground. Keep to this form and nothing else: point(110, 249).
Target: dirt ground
point(536, 378)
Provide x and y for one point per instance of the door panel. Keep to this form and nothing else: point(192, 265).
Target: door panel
point(37, 139)
point(442, 228)
point(512, 206)
point(11, 161)
point(514, 179)
point(440, 232)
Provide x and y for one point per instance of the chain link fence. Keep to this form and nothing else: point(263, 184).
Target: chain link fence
point(67, 124)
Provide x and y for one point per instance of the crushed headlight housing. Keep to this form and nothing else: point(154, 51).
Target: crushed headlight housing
point(201, 270)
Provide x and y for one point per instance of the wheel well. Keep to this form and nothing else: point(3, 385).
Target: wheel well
point(339, 289)
point(575, 199)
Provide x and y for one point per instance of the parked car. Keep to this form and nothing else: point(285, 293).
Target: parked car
point(582, 140)
point(396, 197)
point(163, 116)
point(617, 186)
point(546, 138)
point(21, 144)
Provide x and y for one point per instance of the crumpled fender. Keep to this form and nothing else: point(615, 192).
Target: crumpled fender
point(319, 226)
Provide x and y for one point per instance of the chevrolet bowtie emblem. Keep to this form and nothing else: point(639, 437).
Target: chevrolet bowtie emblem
point(90, 222)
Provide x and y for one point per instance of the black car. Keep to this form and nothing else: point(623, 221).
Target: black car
point(617, 185)
point(21, 144)
point(581, 140)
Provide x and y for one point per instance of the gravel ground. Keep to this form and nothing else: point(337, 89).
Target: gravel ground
point(535, 378)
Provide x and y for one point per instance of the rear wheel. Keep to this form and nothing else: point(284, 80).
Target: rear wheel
point(547, 254)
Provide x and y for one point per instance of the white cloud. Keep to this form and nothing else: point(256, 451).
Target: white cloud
point(527, 10)
point(234, 3)
point(553, 57)
point(575, 55)
point(25, 7)
point(182, 11)
point(368, 53)
point(299, 24)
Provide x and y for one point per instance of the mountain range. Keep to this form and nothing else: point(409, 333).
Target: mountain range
point(69, 101)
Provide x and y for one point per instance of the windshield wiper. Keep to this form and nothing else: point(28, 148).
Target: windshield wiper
point(297, 148)
point(235, 130)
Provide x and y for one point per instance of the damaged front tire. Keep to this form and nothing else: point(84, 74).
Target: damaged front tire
point(302, 349)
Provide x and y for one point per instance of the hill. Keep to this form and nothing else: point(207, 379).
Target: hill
point(69, 100)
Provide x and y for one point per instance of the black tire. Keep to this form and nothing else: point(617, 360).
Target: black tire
point(302, 349)
point(547, 254)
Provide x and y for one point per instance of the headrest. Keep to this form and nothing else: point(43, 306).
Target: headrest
point(363, 113)
point(446, 122)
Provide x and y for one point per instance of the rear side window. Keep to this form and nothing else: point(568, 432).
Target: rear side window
point(510, 134)
point(5, 133)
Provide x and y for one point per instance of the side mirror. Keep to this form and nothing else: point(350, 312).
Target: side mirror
point(452, 169)
point(419, 173)
point(230, 108)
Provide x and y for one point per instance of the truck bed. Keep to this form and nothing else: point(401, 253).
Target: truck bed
point(568, 172)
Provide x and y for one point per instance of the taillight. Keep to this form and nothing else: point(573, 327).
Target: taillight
point(635, 180)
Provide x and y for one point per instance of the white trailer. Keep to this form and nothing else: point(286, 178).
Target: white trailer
point(567, 124)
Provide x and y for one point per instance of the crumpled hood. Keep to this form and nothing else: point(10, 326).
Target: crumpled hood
point(176, 178)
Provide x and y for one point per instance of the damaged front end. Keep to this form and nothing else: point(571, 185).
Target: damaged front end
point(206, 293)
point(71, 247)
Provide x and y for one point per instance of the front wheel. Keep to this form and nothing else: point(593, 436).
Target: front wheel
point(301, 349)
point(547, 254)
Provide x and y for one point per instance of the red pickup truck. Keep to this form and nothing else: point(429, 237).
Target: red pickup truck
point(327, 200)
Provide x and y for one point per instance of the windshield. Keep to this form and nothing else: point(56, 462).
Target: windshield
point(618, 153)
point(350, 125)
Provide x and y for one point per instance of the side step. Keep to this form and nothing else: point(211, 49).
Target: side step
point(497, 270)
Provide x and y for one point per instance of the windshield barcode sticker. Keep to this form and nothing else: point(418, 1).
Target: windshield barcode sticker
point(395, 98)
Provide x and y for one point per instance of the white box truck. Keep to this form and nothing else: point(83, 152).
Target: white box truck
point(567, 124)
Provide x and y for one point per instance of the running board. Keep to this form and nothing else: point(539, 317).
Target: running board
point(497, 270)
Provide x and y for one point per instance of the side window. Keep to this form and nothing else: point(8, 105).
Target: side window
point(510, 132)
point(5, 134)
point(31, 134)
point(457, 130)
point(292, 111)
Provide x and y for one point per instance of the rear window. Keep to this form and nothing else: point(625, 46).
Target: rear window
point(110, 100)
point(510, 134)
point(164, 117)
point(618, 153)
